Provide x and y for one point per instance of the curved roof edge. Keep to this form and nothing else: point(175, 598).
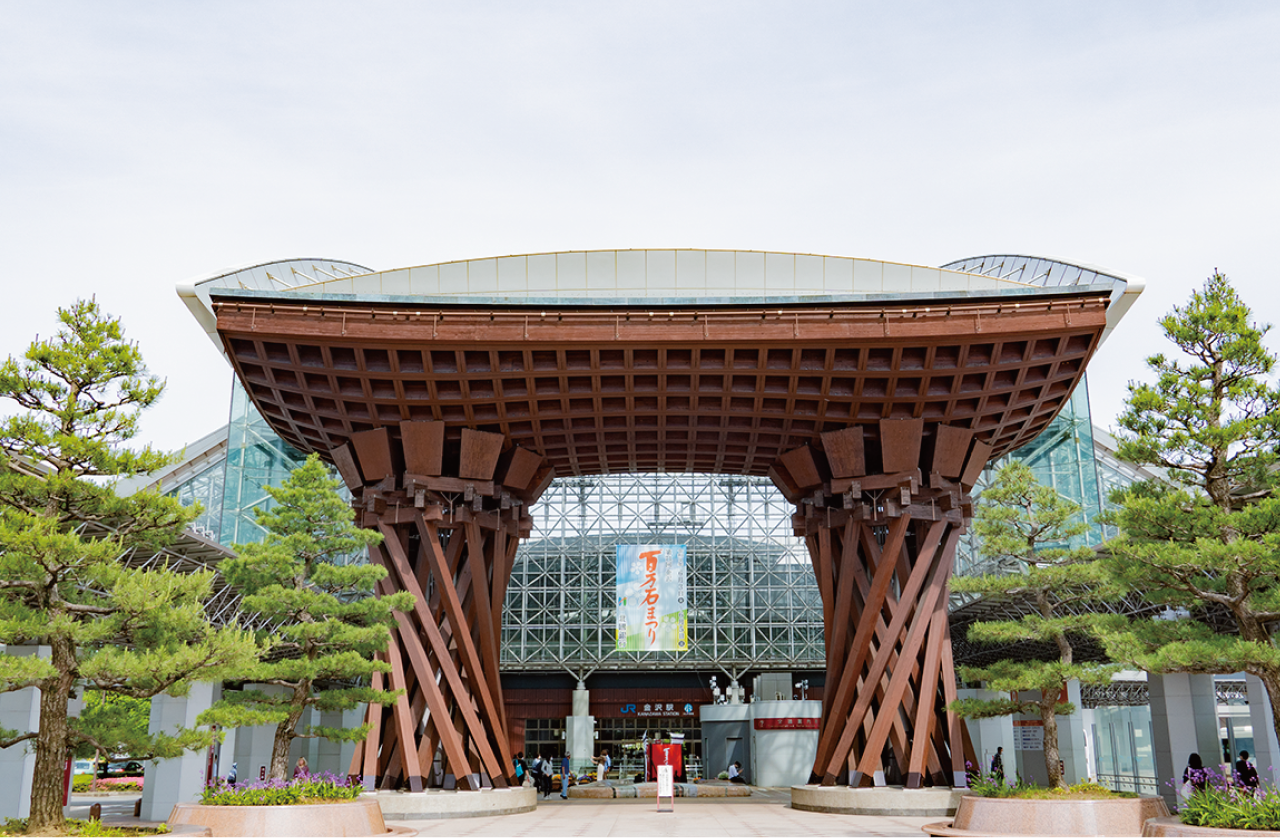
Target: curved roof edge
point(260, 276)
point(674, 273)
point(1048, 271)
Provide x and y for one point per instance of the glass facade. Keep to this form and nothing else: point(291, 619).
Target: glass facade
point(206, 489)
point(1063, 457)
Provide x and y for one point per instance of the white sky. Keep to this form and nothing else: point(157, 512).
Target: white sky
point(143, 144)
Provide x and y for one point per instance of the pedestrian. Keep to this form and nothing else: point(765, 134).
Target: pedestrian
point(300, 771)
point(544, 777)
point(535, 771)
point(997, 765)
point(565, 776)
point(735, 773)
point(1194, 777)
point(520, 769)
point(1246, 774)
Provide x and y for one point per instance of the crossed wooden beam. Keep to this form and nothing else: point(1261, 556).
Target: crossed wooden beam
point(881, 516)
point(451, 516)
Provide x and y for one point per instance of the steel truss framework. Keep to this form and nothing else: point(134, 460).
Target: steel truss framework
point(753, 602)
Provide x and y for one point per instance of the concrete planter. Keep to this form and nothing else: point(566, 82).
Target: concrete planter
point(883, 801)
point(324, 820)
point(1016, 816)
point(1171, 826)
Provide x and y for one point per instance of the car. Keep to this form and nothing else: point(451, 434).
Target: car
point(128, 767)
point(82, 766)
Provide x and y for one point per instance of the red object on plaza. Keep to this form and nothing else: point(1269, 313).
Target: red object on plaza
point(661, 754)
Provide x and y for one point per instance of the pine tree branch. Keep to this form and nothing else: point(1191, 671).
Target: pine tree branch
point(77, 608)
point(22, 685)
point(9, 743)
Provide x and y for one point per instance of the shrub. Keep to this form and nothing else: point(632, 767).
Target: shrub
point(991, 786)
point(318, 788)
point(1223, 805)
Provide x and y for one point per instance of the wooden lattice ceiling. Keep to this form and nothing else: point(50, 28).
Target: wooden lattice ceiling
point(614, 389)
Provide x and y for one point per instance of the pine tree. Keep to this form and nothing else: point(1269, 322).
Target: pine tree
point(63, 533)
point(328, 627)
point(1020, 523)
point(1207, 541)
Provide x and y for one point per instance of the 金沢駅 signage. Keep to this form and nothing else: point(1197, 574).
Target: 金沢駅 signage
point(653, 601)
point(657, 709)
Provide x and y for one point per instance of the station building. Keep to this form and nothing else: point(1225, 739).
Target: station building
point(756, 625)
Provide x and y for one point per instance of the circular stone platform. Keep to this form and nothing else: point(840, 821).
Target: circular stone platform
point(605, 791)
point(436, 805)
point(893, 801)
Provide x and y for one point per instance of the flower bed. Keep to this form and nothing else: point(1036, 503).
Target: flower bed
point(1224, 803)
point(82, 783)
point(85, 829)
point(317, 788)
point(1084, 790)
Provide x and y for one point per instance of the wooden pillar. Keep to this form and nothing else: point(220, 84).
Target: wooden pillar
point(881, 514)
point(450, 512)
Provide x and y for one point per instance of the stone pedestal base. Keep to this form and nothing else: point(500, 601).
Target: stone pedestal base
point(1174, 828)
point(889, 801)
point(436, 805)
point(1020, 816)
point(350, 818)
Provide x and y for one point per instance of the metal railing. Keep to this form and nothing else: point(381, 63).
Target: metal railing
point(1128, 782)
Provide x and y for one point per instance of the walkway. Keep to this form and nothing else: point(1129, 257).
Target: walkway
point(767, 813)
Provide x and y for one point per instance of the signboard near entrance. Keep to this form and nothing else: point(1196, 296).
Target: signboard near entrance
point(666, 786)
point(653, 599)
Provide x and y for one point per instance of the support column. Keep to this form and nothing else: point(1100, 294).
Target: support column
point(989, 734)
point(580, 731)
point(252, 754)
point(1184, 720)
point(20, 711)
point(451, 512)
point(881, 509)
point(333, 757)
point(1266, 751)
point(179, 780)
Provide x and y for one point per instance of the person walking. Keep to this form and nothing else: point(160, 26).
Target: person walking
point(1246, 774)
point(1194, 777)
point(997, 765)
point(564, 776)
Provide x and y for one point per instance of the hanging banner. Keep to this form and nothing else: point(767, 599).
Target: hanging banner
point(653, 600)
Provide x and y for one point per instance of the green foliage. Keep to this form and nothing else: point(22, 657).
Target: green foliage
point(119, 724)
point(63, 532)
point(280, 793)
point(84, 829)
point(1211, 419)
point(1024, 526)
point(327, 625)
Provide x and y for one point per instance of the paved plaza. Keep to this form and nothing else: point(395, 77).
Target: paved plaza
point(767, 812)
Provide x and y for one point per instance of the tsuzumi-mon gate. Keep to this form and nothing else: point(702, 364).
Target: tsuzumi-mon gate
point(872, 394)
